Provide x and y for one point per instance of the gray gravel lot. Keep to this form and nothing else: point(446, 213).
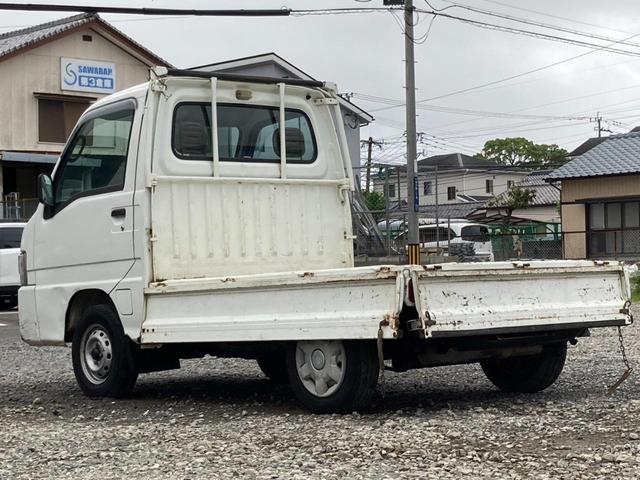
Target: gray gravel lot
point(221, 419)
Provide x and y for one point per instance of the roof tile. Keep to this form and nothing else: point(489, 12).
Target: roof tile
point(11, 42)
point(617, 155)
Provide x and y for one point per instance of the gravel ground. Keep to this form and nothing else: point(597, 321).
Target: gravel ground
point(221, 419)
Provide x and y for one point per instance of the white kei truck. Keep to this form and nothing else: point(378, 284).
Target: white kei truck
point(209, 214)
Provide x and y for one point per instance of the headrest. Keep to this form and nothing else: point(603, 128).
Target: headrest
point(192, 138)
point(295, 142)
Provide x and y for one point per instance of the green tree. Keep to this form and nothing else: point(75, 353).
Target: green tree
point(374, 201)
point(518, 151)
point(513, 199)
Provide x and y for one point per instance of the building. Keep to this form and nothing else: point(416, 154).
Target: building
point(544, 209)
point(50, 73)
point(601, 199)
point(274, 66)
point(457, 178)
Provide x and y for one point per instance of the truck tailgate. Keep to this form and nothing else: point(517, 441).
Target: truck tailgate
point(501, 297)
point(349, 303)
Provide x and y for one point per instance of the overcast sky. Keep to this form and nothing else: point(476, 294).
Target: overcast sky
point(364, 54)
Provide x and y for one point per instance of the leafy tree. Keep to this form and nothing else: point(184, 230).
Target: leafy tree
point(374, 200)
point(518, 151)
point(513, 199)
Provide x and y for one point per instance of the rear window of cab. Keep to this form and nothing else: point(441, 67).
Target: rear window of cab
point(246, 133)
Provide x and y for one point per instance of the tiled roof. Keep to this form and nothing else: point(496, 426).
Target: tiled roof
point(617, 155)
point(450, 210)
point(451, 162)
point(457, 161)
point(586, 146)
point(16, 40)
point(545, 194)
point(12, 41)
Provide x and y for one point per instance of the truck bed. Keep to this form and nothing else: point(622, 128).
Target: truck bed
point(452, 299)
point(349, 303)
point(456, 299)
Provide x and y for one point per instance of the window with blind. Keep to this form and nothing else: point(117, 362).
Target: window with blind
point(57, 117)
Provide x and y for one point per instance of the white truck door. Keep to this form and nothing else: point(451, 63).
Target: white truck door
point(86, 239)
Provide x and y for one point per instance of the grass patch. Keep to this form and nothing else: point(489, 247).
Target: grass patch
point(635, 289)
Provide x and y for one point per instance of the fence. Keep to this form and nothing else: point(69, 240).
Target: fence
point(18, 210)
point(381, 236)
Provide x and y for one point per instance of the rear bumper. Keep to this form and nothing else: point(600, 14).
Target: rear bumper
point(526, 329)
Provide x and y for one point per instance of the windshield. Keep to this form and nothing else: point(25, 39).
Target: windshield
point(475, 233)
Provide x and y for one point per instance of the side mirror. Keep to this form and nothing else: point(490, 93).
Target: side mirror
point(45, 190)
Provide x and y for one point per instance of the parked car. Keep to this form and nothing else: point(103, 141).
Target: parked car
point(10, 236)
point(462, 239)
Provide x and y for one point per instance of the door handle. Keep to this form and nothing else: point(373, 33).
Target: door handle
point(118, 213)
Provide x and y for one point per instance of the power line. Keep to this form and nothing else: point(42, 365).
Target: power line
point(283, 12)
point(531, 33)
point(544, 14)
point(502, 80)
point(461, 111)
point(539, 24)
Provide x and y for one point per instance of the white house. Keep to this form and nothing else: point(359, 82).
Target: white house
point(457, 178)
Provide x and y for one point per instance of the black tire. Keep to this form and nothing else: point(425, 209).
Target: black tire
point(109, 370)
point(353, 393)
point(527, 374)
point(274, 366)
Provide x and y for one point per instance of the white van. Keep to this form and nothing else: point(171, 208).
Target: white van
point(10, 236)
point(208, 214)
point(442, 239)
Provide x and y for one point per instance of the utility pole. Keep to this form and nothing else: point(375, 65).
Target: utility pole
point(371, 142)
point(413, 247)
point(599, 127)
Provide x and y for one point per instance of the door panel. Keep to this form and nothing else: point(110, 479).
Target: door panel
point(86, 239)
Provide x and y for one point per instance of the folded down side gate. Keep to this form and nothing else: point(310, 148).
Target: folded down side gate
point(501, 297)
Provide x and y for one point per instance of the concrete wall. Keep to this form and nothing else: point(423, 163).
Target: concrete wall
point(38, 70)
point(574, 221)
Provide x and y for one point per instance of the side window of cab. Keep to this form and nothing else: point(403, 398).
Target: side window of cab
point(95, 160)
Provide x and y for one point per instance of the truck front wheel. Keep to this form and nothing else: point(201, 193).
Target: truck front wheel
point(527, 374)
point(332, 375)
point(103, 356)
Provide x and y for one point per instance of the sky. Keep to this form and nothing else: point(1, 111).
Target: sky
point(364, 54)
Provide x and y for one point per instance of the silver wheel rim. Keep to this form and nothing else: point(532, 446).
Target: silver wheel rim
point(96, 354)
point(321, 366)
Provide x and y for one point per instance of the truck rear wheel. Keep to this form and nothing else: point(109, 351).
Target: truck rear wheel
point(332, 375)
point(103, 356)
point(274, 366)
point(528, 374)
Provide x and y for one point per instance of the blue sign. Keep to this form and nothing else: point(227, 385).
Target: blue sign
point(416, 195)
point(87, 75)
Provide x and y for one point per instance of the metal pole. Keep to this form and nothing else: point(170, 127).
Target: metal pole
point(413, 235)
point(449, 235)
point(387, 173)
point(437, 215)
point(368, 181)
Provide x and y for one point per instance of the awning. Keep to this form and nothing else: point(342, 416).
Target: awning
point(25, 157)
